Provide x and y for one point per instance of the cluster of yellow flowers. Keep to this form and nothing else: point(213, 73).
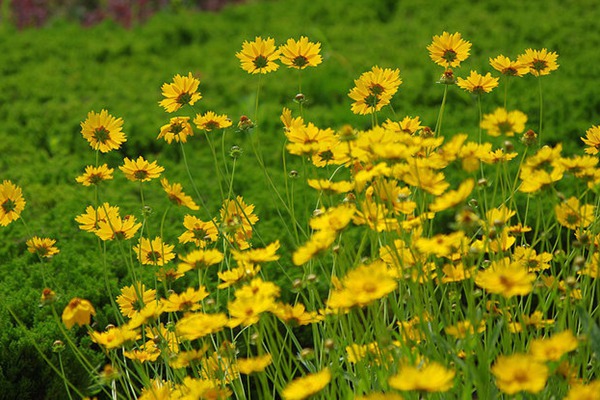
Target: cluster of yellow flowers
point(382, 289)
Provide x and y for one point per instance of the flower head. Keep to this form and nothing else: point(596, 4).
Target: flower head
point(301, 53)
point(553, 348)
point(572, 215)
point(210, 121)
point(592, 140)
point(103, 131)
point(507, 279)
point(301, 388)
point(433, 377)
point(540, 62)
point(78, 311)
point(449, 50)
point(133, 298)
point(374, 89)
point(177, 196)
point(95, 175)
point(177, 129)
point(507, 67)
point(503, 122)
point(477, 84)
point(183, 90)
point(140, 169)
point(255, 364)
point(11, 202)
point(154, 252)
point(259, 56)
point(519, 372)
point(44, 247)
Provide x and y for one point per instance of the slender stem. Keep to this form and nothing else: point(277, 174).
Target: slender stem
point(541, 111)
point(438, 124)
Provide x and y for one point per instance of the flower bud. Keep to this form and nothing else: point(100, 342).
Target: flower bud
point(58, 346)
point(235, 152)
point(293, 174)
point(245, 124)
point(48, 297)
point(447, 77)
point(529, 138)
point(299, 98)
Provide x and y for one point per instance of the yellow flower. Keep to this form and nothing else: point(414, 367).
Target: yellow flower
point(251, 300)
point(316, 244)
point(209, 121)
point(153, 252)
point(103, 131)
point(78, 311)
point(374, 89)
point(255, 364)
point(233, 276)
point(149, 352)
point(237, 220)
point(379, 396)
point(553, 348)
point(453, 198)
point(259, 56)
point(540, 62)
point(478, 84)
point(114, 337)
point(199, 232)
point(580, 391)
point(426, 179)
point(433, 377)
point(449, 50)
point(11, 202)
point(300, 54)
point(257, 256)
point(295, 315)
point(158, 390)
point(133, 298)
point(309, 139)
point(503, 122)
point(592, 140)
point(199, 259)
point(94, 175)
point(507, 67)
point(408, 125)
point(140, 169)
point(186, 301)
point(333, 219)
point(44, 247)
point(519, 372)
point(177, 196)
point(177, 129)
point(456, 273)
point(463, 329)
point(183, 90)
point(507, 279)
point(572, 215)
point(115, 227)
point(442, 245)
point(196, 325)
point(529, 258)
point(328, 186)
point(301, 388)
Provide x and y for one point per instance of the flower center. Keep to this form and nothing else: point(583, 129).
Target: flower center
point(101, 134)
point(9, 205)
point(210, 125)
point(376, 89)
point(372, 100)
point(449, 55)
point(140, 174)
point(260, 62)
point(153, 256)
point(505, 127)
point(300, 61)
point(184, 98)
point(539, 65)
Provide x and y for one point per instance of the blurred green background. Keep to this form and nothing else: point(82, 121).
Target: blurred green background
point(53, 75)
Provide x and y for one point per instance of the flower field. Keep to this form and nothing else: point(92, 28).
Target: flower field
point(373, 245)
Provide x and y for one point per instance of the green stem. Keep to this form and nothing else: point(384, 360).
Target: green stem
point(438, 124)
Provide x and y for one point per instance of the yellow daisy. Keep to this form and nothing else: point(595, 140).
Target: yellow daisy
point(540, 62)
point(177, 129)
point(301, 53)
point(477, 84)
point(301, 388)
point(94, 175)
point(505, 66)
point(103, 131)
point(503, 122)
point(210, 121)
point(11, 202)
point(259, 56)
point(44, 247)
point(183, 90)
point(449, 50)
point(140, 169)
point(374, 89)
point(177, 196)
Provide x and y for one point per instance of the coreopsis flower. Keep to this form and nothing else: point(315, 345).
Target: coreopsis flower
point(380, 396)
point(114, 227)
point(427, 179)
point(309, 139)
point(503, 122)
point(507, 279)
point(178, 129)
point(183, 90)
point(186, 301)
point(592, 140)
point(582, 391)
point(572, 215)
point(11, 202)
point(554, 347)
point(363, 285)
point(442, 245)
point(295, 315)
point(95, 175)
point(78, 312)
point(300, 53)
point(331, 187)
point(236, 275)
point(259, 255)
point(157, 390)
point(540, 62)
point(505, 66)
point(133, 298)
point(535, 180)
point(153, 252)
point(201, 388)
point(432, 377)
point(410, 125)
point(456, 273)
point(252, 300)
point(518, 373)
point(196, 325)
point(376, 216)
point(199, 259)
point(529, 258)
point(453, 198)
point(477, 83)
point(259, 56)
point(48, 297)
point(140, 169)
point(114, 337)
point(249, 366)
point(498, 156)
point(301, 388)
point(44, 247)
point(449, 50)
point(103, 131)
point(333, 219)
point(463, 329)
point(177, 196)
point(237, 220)
point(198, 232)
point(150, 312)
point(374, 89)
point(317, 243)
point(209, 121)
point(148, 352)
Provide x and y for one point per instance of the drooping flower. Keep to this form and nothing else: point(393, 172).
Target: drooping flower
point(572, 215)
point(505, 66)
point(196, 325)
point(183, 90)
point(140, 169)
point(133, 298)
point(186, 301)
point(519, 372)
point(78, 311)
point(103, 131)
point(209, 121)
point(255, 364)
point(154, 252)
point(477, 84)
point(301, 388)
point(94, 175)
point(259, 56)
point(432, 377)
point(237, 220)
point(11, 202)
point(199, 232)
point(199, 259)
point(44, 247)
point(177, 196)
point(503, 122)
point(374, 89)
point(177, 129)
point(301, 53)
point(454, 197)
point(540, 62)
point(554, 347)
point(449, 50)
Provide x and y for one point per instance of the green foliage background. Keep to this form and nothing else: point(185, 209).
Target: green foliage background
point(52, 77)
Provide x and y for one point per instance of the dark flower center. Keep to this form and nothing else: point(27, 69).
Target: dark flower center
point(101, 134)
point(449, 55)
point(376, 89)
point(539, 65)
point(9, 205)
point(153, 256)
point(505, 127)
point(140, 174)
point(184, 98)
point(300, 61)
point(210, 125)
point(372, 100)
point(260, 62)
